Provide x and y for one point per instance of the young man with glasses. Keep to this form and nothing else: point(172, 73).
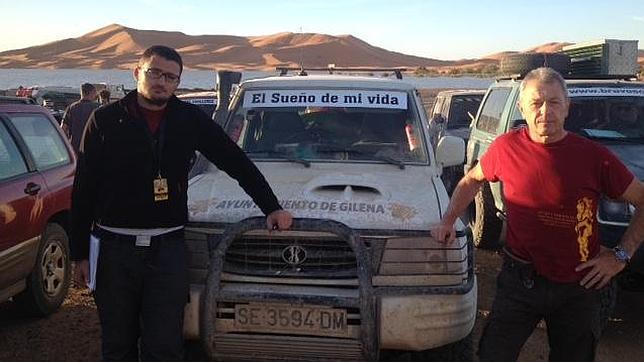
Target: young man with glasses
point(130, 193)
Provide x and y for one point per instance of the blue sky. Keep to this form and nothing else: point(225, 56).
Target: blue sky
point(437, 29)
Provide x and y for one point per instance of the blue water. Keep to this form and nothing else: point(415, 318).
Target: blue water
point(12, 78)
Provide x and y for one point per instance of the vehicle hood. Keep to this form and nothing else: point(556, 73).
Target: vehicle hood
point(362, 196)
point(632, 155)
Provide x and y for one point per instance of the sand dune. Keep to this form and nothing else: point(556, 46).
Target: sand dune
point(117, 46)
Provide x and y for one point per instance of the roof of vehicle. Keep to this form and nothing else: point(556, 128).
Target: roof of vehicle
point(328, 81)
point(203, 94)
point(23, 108)
point(16, 100)
point(456, 92)
point(580, 82)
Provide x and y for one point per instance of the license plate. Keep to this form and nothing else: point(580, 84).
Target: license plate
point(277, 318)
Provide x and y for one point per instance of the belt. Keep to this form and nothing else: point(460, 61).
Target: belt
point(524, 268)
point(507, 252)
point(133, 238)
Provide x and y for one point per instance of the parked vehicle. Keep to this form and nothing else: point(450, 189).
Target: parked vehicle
point(207, 101)
point(16, 100)
point(36, 175)
point(56, 99)
point(359, 276)
point(453, 112)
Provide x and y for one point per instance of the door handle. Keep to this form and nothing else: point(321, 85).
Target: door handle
point(32, 189)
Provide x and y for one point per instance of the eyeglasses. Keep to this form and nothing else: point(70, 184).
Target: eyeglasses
point(158, 74)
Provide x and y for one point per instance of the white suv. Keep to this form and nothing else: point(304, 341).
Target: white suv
point(359, 276)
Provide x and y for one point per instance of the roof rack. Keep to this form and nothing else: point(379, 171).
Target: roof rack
point(509, 77)
point(331, 68)
point(575, 76)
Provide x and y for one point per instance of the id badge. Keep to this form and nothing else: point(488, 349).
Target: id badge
point(160, 189)
point(143, 240)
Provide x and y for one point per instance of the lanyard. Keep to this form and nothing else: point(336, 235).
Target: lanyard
point(156, 146)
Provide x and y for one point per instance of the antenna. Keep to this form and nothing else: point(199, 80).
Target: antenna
point(302, 72)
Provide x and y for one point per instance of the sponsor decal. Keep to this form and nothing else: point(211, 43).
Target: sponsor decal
point(325, 98)
point(331, 206)
point(402, 212)
point(199, 206)
point(605, 92)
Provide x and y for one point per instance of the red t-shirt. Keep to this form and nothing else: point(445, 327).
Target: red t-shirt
point(152, 118)
point(551, 195)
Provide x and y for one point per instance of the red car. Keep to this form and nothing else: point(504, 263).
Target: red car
point(36, 175)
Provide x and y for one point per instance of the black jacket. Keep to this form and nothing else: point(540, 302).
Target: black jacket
point(76, 115)
point(117, 166)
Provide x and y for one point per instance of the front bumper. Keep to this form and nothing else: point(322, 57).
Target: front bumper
point(401, 318)
point(421, 322)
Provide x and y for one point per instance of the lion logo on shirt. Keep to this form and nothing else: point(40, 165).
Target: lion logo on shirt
point(584, 226)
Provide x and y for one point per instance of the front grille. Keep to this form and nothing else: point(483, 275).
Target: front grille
point(319, 257)
point(245, 347)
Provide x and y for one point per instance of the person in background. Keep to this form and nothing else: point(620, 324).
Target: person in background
point(77, 114)
point(553, 266)
point(130, 193)
point(104, 96)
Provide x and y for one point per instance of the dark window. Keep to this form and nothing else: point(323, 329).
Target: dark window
point(11, 161)
point(44, 142)
point(516, 118)
point(492, 110)
point(460, 106)
point(606, 117)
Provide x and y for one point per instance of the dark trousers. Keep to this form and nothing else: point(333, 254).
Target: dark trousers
point(570, 311)
point(140, 294)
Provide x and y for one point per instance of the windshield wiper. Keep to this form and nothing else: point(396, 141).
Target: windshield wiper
point(377, 157)
point(285, 156)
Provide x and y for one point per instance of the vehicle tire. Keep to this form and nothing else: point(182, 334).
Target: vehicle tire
point(459, 351)
point(608, 299)
point(523, 63)
point(49, 280)
point(486, 226)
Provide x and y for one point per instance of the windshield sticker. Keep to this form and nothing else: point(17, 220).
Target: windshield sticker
point(325, 98)
point(201, 101)
point(605, 92)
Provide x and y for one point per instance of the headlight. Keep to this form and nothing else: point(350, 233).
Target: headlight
point(615, 211)
point(422, 261)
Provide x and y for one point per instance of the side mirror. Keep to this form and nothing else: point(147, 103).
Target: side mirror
point(224, 84)
point(438, 118)
point(450, 151)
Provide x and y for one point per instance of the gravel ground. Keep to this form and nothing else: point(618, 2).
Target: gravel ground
point(73, 333)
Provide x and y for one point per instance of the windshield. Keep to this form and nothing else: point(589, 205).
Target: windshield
point(315, 128)
point(607, 116)
point(461, 106)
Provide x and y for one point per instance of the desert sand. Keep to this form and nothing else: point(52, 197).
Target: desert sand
point(119, 47)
